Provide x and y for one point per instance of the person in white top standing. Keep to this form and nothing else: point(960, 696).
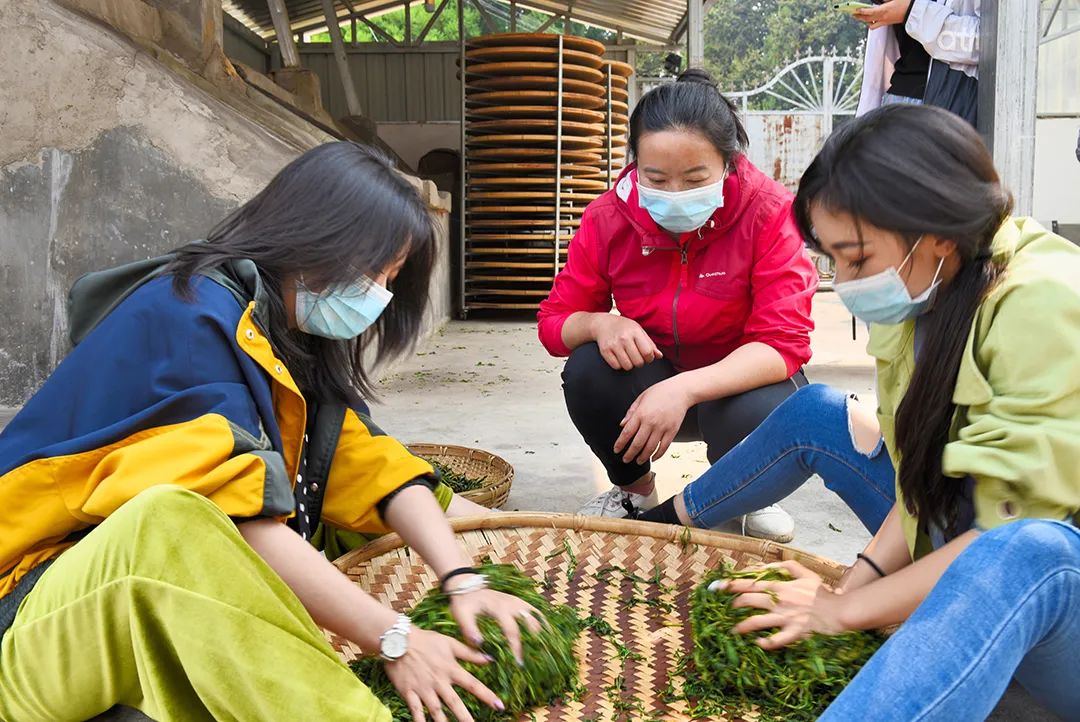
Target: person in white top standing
point(949, 32)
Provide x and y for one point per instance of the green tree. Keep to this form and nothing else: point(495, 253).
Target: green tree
point(747, 42)
point(393, 24)
point(445, 27)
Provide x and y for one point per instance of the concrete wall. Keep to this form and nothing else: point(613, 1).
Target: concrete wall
point(412, 141)
point(112, 153)
point(1057, 170)
point(241, 44)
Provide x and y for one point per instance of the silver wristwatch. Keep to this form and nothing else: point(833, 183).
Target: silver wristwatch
point(394, 642)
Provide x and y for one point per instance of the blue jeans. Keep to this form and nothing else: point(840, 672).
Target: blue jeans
point(1007, 605)
point(806, 434)
point(890, 99)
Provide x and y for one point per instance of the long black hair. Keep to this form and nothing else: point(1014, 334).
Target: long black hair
point(338, 211)
point(914, 170)
point(692, 102)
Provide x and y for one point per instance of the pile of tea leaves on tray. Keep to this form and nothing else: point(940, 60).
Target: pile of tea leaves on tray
point(457, 481)
point(729, 675)
point(550, 670)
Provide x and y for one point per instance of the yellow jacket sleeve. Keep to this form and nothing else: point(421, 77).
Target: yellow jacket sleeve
point(367, 466)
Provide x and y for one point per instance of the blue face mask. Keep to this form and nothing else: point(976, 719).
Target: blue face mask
point(884, 298)
point(342, 311)
point(682, 211)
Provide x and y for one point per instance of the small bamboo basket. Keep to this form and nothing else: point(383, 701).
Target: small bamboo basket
point(567, 553)
point(498, 475)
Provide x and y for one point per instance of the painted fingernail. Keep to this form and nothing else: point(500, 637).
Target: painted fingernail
point(499, 705)
point(489, 658)
point(477, 640)
point(717, 586)
point(520, 662)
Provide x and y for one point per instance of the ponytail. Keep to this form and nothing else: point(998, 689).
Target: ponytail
point(914, 170)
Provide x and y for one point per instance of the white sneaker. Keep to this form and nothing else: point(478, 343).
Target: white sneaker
point(619, 504)
point(771, 523)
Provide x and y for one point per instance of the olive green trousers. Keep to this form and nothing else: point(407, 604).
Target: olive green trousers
point(165, 608)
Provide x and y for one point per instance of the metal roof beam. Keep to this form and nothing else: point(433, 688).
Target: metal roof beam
point(609, 21)
point(596, 19)
point(290, 58)
point(431, 22)
point(318, 21)
point(680, 29)
point(485, 19)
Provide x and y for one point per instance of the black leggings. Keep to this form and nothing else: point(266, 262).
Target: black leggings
point(598, 396)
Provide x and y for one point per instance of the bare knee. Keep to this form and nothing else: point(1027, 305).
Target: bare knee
point(863, 426)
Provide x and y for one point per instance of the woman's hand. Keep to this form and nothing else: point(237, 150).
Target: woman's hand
point(426, 676)
point(623, 342)
point(652, 422)
point(505, 609)
point(892, 12)
point(797, 608)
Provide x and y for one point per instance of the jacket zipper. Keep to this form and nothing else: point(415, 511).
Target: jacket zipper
point(683, 270)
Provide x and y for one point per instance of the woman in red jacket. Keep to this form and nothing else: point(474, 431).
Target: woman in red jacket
point(699, 252)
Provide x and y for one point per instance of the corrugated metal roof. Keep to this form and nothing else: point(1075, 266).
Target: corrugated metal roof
point(657, 21)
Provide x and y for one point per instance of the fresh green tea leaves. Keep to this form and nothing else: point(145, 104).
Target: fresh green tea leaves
point(550, 670)
point(731, 675)
point(456, 481)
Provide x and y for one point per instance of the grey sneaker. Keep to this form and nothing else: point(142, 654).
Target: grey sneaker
point(618, 504)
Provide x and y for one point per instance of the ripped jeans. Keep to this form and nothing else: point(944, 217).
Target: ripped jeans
point(807, 434)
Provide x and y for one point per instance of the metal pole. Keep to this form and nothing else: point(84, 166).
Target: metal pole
point(290, 57)
point(558, 157)
point(695, 36)
point(1050, 18)
point(610, 120)
point(351, 101)
point(827, 94)
point(632, 83)
point(463, 190)
point(1008, 77)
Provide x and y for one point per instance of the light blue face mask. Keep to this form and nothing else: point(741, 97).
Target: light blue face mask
point(342, 311)
point(884, 298)
point(682, 211)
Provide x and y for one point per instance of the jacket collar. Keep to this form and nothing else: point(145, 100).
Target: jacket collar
point(96, 294)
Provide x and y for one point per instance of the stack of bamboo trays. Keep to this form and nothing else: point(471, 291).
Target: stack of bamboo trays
point(546, 120)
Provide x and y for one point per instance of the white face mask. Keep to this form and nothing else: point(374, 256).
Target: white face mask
point(682, 211)
point(342, 311)
point(884, 297)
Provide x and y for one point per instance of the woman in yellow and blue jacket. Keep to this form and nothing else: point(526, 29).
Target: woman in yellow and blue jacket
point(159, 494)
point(969, 473)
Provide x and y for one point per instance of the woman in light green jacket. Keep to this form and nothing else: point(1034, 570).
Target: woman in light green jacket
point(969, 472)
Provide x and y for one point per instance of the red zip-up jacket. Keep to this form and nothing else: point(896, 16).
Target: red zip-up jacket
point(744, 276)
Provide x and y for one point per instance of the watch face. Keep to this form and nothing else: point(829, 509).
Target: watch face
point(395, 644)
